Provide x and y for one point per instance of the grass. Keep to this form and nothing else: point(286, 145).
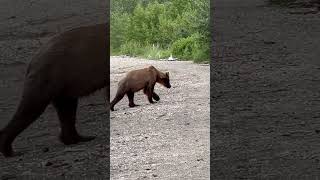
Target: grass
point(197, 54)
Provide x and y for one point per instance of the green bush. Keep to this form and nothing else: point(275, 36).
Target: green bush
point(155, 29)
point(155, 52)
point(193, 47)
point(132, 48)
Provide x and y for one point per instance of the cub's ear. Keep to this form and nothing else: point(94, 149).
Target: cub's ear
point(167, 74)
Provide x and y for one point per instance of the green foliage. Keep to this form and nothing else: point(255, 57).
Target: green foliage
point(118, 30)
point(155, 52)
point(155, 29)
point(132, 48)
point(193, 47)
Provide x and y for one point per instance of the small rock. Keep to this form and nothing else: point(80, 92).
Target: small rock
point(148, 169)
point(48, 163)
point(154, 175)
point(317, 131)
point(45, 149)
point(269, 42)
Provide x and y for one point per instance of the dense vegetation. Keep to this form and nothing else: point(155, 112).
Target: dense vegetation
point(157, 28)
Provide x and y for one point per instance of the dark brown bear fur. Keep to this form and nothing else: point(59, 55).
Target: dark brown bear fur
point(140, 79)
point(71, 65)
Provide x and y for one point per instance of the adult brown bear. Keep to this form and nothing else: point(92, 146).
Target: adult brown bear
point(140, 79)
point(71, 65)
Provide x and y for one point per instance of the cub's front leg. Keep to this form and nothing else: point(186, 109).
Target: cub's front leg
point(148, 90)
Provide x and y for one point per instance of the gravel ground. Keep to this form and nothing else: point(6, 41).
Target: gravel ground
point(168, 139)
point(265, 93)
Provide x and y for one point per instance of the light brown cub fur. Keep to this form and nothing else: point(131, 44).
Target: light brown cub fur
point(140, 79)
point(71, 65)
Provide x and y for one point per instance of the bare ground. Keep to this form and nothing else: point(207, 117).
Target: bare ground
point(265, 94)
point(168, 139)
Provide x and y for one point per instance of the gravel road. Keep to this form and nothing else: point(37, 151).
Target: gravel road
point(168, 139)
point(265, 93)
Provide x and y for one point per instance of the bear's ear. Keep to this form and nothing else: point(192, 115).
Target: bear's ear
point(167, 74)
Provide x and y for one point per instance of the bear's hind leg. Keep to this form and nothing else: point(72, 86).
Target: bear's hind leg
point(118, 97)
point(131, 97)
point(31, 106)
point(67, 109)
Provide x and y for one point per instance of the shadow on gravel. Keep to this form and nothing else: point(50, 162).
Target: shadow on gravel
point(296, 3)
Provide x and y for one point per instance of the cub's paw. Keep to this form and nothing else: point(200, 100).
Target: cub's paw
point(157, 98)
point(133, 105)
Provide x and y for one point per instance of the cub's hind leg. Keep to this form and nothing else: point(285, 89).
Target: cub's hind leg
point(116, 99)
point(66, 109)
point(131, 97)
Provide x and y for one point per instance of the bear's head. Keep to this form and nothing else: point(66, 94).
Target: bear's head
point(164, 80)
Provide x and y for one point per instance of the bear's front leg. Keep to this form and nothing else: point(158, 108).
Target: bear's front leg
point(150, 93)
point(150, 98)
point(66, 108)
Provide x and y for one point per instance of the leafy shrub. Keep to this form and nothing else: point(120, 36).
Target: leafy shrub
point(132, 48)
point(155, 29)
point(193, 47)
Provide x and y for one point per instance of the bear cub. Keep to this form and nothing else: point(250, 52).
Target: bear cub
point(140, 79)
